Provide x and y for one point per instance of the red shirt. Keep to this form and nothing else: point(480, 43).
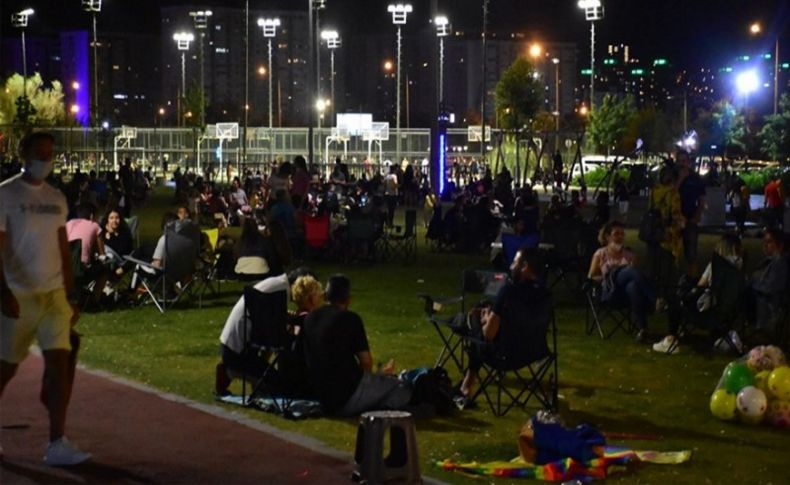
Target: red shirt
point(773, 198)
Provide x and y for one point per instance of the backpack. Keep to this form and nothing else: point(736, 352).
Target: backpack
point(431, 386)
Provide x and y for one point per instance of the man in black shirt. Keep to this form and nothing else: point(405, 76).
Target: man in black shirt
point(521, 295)
point(339, 360)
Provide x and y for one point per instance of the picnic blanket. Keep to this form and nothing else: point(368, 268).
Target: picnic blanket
point(614, 460)
point(298, 409)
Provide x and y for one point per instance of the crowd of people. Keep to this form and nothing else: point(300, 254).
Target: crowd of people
point(50, 231)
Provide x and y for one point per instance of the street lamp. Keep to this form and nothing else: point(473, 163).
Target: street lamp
point(747, 82)
point(556, 62)
point(535, 51)
point(756, 29)
point(269, 27)
point(442, 30)
point(201, 19)
point(19, 20)
point(93, 7)
point(333, 41)
point(593, 11)
point(183, 39)
point(399, 13)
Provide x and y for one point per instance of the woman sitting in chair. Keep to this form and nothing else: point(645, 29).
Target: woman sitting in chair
point(614, 266)
point(729, 248)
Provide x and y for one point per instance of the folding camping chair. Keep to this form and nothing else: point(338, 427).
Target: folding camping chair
point(521, 363)
point(182, 254)
point(484, 284)
point(316, 234)
point(598, 311)
point(567, 249)
point(362, 238)
point(728, 285)
point(403, 244)
point(266, 317)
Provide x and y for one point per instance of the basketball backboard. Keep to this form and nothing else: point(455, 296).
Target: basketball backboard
point(379, 131)
point(228, 131)
point(474, 134)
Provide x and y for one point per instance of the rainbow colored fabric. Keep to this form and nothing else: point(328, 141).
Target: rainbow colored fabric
point(614, 460)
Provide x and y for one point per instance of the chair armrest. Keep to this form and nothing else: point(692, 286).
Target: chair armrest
point(141, 263)
point(433, 305)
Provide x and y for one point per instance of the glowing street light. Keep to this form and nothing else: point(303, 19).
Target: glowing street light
point(19, 20)
point(93, 7)
point(201, 19)
point(535, 51)
point(269, 27)
point(74, 109)
point(183, 39)
point(442, 30)
point(593, 11)
point(756, 29)
point(388, 66)
point(332, 39)
point(747, 82)
point(399, 12)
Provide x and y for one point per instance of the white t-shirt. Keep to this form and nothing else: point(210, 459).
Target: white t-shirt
point(30, 217)
point(233, 333)
point(391, 184)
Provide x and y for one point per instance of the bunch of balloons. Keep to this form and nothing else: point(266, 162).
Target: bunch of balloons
point(755, 389)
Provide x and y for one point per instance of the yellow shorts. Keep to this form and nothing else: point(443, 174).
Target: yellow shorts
point(44, 317)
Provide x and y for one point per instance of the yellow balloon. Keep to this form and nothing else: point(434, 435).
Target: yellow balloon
point(723, 405)
point(779, 383)
point(761, 380)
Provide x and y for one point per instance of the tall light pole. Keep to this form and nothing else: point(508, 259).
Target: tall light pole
point(557, 110)
point(269, 27)
point(19, 20)
point(399, 13)
point(183, 39)
point(593, 11)
point(201, 19)
point(756, 29)
point(333, 41)
point(94, 7)
point(319, 5)
point(442, 30)
point(483, 90)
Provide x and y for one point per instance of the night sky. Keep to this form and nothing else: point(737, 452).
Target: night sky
point(690, 32)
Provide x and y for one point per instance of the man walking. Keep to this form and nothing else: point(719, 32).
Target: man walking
point(35, 278)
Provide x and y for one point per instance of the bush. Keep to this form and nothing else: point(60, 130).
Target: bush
point(757, 179)
point(595, 177)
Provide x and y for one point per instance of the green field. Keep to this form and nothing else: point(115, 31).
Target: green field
point(618, 385)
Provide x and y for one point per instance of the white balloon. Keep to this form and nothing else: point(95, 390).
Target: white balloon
point(751, 402)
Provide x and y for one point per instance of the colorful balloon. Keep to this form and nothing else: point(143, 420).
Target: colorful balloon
point(752, 404)
point(778, 413)
point(761, 380)
point(723, 404)
point(736, 377)
point(779, 383)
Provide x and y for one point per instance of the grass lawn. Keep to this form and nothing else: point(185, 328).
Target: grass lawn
point(617, 384)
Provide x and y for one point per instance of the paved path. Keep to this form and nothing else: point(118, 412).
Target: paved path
point(139, 436)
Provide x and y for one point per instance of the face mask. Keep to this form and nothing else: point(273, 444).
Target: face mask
point(39, 169)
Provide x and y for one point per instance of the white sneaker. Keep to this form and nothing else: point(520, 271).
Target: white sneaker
point(63, 453)
point(736, 340)
point(667, 345)
point(724, 346)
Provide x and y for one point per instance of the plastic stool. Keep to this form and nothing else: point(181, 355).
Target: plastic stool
point(402, 464)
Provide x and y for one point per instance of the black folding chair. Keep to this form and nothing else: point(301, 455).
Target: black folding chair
point(728, 286)
point(362, 237)
point(521, 363)
point(565, 252)
point(598, 312)
point(403, 244)
point(266, 317)
point(476, 283)
point(165, 286)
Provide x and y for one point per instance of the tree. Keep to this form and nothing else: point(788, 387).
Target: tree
point(775, 135)
point(723, 127)
point(42, 106)
point(656, 128)
point(518, 95)
point(609, 123)
point(191, 105)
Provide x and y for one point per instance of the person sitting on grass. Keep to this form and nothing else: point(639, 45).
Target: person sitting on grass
point(340, 362)
point(614, 266)
point(235, 362)
point(523, 289)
